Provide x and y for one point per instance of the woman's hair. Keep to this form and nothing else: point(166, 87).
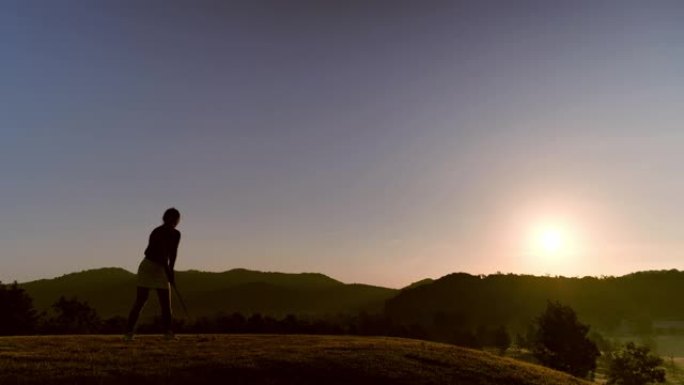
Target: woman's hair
point(171, 215)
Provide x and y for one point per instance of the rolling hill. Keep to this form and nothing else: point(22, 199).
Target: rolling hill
point(262, 359)
point(606, 303)
point(455, 300)
point(111, 292)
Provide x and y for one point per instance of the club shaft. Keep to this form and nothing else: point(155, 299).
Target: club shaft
point(180, 299)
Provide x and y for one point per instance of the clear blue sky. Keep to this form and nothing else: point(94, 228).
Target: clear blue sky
point(374, 141)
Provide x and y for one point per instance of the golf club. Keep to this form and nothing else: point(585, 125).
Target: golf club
point(180, 299)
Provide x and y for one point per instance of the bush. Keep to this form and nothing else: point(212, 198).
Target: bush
point(493, 338)
point(502, 340)
point(73, 317)
point(560, 341)
point(605, 345)
point(18, 314)
point(634, 365)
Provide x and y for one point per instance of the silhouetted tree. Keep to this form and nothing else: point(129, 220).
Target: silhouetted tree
point(156, 325)
point(255, 323)
point(235, 323)
point(374, 324)
point(452, 328)
point(290, 324)
point(501, 339)
point(560, 341)
point(17, 315)
point(73, 316)
point(484, 335)
point(113, 325)
point(634, 365)
point(496, 337)
point(465, 338)
point(204, 325)
point(603, 344)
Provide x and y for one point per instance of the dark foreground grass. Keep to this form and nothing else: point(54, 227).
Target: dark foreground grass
point(257, 359)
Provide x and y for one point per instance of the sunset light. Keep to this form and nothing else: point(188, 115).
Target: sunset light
point(554, 247)
point(275, 192)
point(551, 240)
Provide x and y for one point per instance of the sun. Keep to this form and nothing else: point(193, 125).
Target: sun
point(550, 241)
point(555, 246)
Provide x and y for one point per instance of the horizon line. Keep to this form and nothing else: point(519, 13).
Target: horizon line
point(481, 275)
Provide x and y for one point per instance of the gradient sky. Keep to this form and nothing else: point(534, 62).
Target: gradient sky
point(373, 141)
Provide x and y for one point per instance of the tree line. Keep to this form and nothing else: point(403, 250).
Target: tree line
point(74, 316)
point(607, 303)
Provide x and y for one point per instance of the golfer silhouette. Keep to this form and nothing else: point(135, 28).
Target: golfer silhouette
point(156, 272)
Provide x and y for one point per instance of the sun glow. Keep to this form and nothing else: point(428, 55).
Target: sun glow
point(550, 240)
point(557, 239)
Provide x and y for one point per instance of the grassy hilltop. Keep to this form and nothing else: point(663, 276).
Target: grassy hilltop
point(263, 359)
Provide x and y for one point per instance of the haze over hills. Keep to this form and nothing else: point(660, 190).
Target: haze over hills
point(111, 292)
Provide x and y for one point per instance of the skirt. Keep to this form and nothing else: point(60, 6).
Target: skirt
point(152, 275)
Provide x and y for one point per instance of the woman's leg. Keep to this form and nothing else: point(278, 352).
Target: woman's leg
point(140, 301)
point(165, 302)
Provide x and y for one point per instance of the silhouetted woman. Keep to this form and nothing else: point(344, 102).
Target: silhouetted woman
point(156, 271)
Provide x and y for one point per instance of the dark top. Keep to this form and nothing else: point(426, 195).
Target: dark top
point(163, 246)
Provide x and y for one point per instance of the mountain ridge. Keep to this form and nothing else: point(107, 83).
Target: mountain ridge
point(111, 291)
point(455, 300)
point(630, 303)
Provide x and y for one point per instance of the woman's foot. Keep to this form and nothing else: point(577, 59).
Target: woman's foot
point(169, 336)
point(128, 337)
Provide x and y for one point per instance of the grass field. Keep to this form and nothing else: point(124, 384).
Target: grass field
point(257, 359)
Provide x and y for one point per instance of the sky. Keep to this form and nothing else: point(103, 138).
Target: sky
point(380, 142)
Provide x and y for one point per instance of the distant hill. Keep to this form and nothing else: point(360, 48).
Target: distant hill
point(457, 300)
point(108, 290)
point(422, 282)
point(606, 303)
point(111, 292)
point(257, 360)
